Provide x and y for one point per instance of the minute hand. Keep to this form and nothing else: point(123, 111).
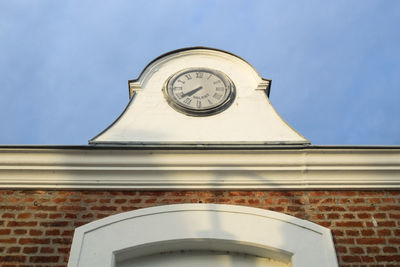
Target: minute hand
point(192, 92)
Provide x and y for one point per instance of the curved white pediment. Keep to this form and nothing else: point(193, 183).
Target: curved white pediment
point(149, 119)
point(201, 232)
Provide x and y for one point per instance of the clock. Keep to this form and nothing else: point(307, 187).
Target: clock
point(199, 91)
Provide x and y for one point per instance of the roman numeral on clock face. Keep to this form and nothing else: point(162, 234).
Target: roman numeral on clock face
point(217, 96)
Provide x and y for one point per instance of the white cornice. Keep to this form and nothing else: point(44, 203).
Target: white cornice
point(174, 169)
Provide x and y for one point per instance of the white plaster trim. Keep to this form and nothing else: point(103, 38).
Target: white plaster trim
point(186, 226)
point(100, 168)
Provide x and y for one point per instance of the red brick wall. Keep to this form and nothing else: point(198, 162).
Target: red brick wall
point(36, 227)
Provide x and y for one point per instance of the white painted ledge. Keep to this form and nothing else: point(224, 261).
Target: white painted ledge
point(202, 227)
point(91, 167)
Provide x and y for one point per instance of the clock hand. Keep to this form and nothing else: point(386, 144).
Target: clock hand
point(192, 92)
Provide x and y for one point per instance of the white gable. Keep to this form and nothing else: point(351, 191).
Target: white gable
point(149, 119)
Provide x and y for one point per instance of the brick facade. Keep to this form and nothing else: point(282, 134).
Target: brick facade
point(36, 227)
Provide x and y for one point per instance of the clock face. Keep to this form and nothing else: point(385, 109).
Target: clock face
point(199, 91)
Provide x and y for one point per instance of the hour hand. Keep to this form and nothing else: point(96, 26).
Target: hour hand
point(192, 92)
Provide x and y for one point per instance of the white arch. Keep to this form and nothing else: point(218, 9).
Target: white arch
point(257, 232)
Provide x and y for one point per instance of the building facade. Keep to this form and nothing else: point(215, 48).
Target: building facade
point(205, 174)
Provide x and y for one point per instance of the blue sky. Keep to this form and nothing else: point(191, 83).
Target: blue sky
point(335, 65)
